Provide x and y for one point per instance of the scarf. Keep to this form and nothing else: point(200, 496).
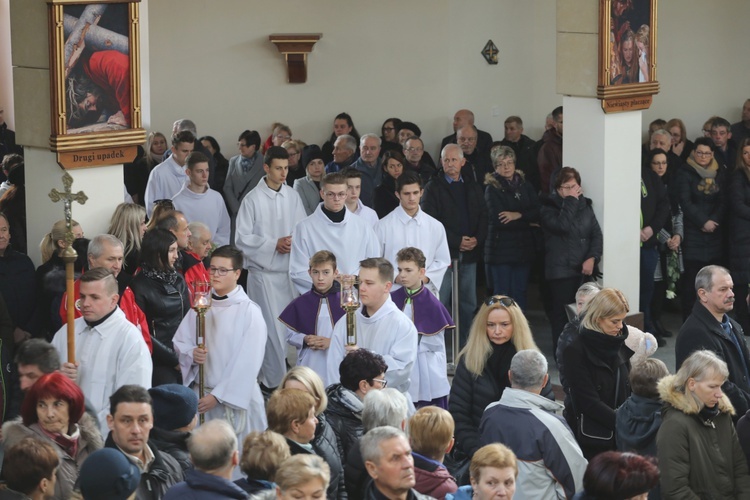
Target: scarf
point(605, 346)
point(707, 185)
point(67, 443)
point(499, 362)
point(167, 276)
point(708, 414)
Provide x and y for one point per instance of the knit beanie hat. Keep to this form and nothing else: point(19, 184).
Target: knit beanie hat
point(107, 474)
point(174, 406)
point(310, 153)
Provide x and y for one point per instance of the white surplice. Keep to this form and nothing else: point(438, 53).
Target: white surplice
point(111, 354)
point(429, 378)
point(208, 208)
point(235, 341)
point(312, 358)
point(367, 213)
point(398, 230)
point(350, 240)
point(164, 181)
point(389, 333)
point(265, 216)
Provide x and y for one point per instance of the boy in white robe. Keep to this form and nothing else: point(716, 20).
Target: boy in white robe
point(310, 317)
point(429, 376)
point(408, 226)
point(381, 328)
point(331, 227)
point(353, 203)
point(235, 342)
point(265, 221)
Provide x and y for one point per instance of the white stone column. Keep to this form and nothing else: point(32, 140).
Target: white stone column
point(606, 150)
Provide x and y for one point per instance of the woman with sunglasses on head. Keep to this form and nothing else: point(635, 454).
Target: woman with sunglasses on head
point(499, 331)
point(597, 369)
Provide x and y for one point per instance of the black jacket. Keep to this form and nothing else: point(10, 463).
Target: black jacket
point(164, 473)
point(510, 243)
point(593, 383)
point(355, 474)
point(384, 199)
point(17, 288)
point(439, 202)
point(655, 208)
point(571, 235)
point(526, 152)
point(164, 306)
point(344, 415)
point(173, 443)
point(739, 224)
point(50, 286)
point(470, 395)
point(698, 207)
point(702, 331)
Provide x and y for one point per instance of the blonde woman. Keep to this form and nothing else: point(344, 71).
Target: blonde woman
point(493, 473)
point(499, 331)
point(324, 443)
point(128, 224)
point(699, 453)
point(302, 477)
point(597, 367)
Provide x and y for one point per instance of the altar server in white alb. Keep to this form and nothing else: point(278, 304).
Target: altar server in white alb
point(110, 351)
point(331, 227)
point(408, 226)
point(200, 203)
point(168, 177)
point(381, 328)
point(353, 203)
point(235, 339)
point(264, 227)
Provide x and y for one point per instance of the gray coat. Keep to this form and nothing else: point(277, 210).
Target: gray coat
point(309, 193)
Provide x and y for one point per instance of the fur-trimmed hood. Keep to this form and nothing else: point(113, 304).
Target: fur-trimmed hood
point(490, 179)
point(681, 401)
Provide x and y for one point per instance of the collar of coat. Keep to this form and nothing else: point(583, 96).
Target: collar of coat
point(682, 401)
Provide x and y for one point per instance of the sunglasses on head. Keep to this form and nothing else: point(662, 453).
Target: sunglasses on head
point(164, 203)
point(499, 299)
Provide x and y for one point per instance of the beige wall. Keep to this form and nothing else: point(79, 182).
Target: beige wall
point(418, 60)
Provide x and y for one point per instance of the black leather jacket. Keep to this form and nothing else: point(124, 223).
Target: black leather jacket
point(164, 306)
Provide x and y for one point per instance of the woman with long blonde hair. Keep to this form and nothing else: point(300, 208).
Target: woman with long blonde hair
point(499, 331)
point(128, 224)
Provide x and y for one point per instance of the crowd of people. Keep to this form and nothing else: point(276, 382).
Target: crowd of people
point(289, 393)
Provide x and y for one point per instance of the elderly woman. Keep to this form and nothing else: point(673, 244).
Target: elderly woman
point(296, 170)
point(302, 477)
point(597, 367)
point(128, 224)
point(324, 443)
point(493, 473)
point(53, 411)
point(619, 476)
point(499, 331)
point(262, 455)
point(573, 243)
point(161, 293)
point(308, 187)
point(699, 454)
point(513, 207)
point(384, 199)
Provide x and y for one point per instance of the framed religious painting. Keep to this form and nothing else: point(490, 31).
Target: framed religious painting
point(627, 54)
point(95, 81)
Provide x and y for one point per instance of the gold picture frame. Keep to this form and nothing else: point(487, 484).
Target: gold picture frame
point(95, 81)
point(627, 68)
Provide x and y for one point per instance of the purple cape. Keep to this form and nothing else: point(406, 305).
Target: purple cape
point(301, 315)
point(428, 314)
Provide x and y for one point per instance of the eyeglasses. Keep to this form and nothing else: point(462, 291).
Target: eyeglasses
point(506, 163)
point(569, 187)
point(414, 150)
point(703, 153)
point(284, 137)
point(166, 202)
point(335, 196)
point(499, 299)
point(220, 271)
point(383, 382)
point(294, 154)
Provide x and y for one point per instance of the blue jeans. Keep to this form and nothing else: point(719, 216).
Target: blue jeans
point(467, 302)
point(649, 261)
point(511, 280)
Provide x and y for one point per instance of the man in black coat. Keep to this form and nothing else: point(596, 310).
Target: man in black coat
point(709, 327)
point(457, 202)
point(462, 118)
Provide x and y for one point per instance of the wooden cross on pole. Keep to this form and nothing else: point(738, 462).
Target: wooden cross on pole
point(69, 255)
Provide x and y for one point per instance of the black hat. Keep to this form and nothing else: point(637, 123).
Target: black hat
point(310, 153)
point(107, 474)
point(410, 126)
point(174, 406)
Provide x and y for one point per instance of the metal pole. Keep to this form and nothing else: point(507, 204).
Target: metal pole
point(454, 312)
point(200, 331)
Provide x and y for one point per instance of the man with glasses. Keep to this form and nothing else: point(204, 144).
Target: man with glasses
point(417, 160)
point(370, 164)
point(725, 150)
point(265, 222)
point(331, 227)
point(234, 349)
point(462, 118)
